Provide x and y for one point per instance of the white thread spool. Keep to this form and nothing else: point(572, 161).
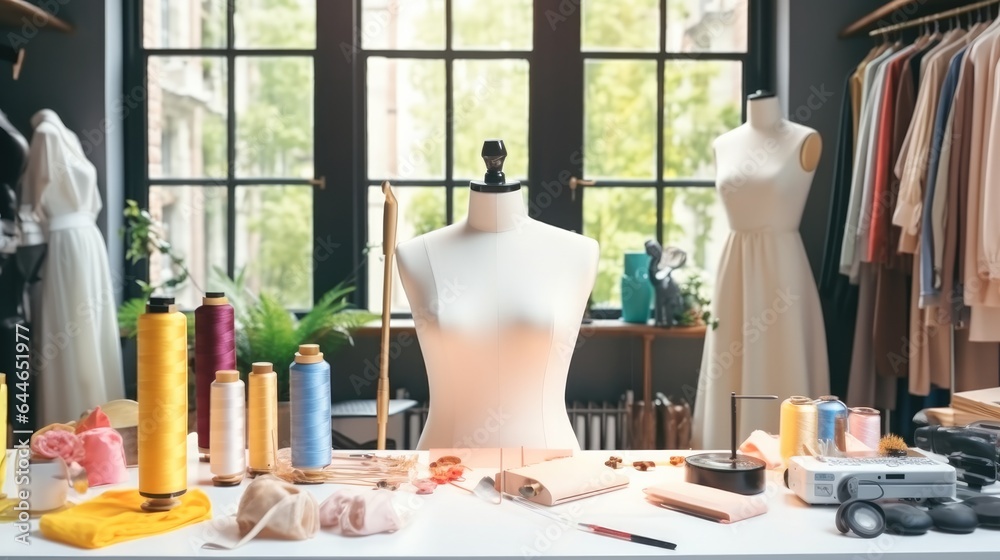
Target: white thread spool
point(227, 434)
point(47, 485)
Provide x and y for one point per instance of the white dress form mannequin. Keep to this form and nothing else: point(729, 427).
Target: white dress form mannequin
point(770, 338)
point(497, 300)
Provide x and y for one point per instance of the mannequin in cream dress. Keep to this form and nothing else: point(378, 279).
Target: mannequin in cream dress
point(79, 362)
point(498, 300)
point(770, 338)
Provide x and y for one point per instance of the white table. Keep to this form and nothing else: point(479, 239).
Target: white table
point(453, 523)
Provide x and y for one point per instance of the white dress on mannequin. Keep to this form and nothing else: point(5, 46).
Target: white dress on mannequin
point(78, 354)
point(498, 300)
point(770, 338)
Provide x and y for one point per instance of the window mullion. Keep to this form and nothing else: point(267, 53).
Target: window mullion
point(555, 130)
point(660, 70)
point(449, 111)
point(230, 140)
point(136, 153)
point(659, 214)
point(340, 217)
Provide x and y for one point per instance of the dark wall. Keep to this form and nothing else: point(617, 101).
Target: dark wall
point(812, 63)
point(78, 76)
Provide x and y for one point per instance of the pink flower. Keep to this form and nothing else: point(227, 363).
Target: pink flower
point(58, 443)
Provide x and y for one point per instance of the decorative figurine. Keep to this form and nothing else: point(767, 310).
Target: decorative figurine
point(669, 302)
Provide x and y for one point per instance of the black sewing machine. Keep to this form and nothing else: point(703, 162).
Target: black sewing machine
point(974, 450)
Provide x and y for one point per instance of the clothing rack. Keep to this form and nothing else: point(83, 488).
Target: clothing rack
point(932, 18)
point(14, 13)
point(893, 11)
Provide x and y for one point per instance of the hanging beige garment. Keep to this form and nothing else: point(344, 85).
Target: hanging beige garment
point(985, 318)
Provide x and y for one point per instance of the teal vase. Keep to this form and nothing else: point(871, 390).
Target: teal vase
point(637, 292)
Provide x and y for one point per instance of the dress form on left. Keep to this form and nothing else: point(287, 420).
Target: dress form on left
point(79, 364)
point(13, 153)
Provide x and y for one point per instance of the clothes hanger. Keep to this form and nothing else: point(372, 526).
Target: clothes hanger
point(14, 56)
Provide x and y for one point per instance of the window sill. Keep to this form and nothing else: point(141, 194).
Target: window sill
point(597, 327)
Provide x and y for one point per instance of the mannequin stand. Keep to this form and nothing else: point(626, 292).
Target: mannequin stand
point(254, 473)
point(154, 505)
point(229, 480)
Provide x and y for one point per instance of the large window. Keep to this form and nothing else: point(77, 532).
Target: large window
point(229, 91)
point(662, 79)
point(270, 124)
point(441, 75)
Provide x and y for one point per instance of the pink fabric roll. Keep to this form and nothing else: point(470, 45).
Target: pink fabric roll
point(104, 459)
point(353, 514)
point(765, 447)
point(96, 419)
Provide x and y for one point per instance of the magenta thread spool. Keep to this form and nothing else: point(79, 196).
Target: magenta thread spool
point(214, 350)
point(866, 425)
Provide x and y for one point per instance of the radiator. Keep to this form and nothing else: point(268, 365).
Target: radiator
point(597, 426)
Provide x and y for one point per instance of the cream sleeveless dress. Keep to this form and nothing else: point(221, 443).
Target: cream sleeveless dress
point(78, 346)
point(770, 338)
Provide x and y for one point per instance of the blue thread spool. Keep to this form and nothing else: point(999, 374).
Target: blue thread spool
point(309, 408)
point(831, 425)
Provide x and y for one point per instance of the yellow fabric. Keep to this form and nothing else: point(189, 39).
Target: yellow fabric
point(116, 516)
point(3, 461)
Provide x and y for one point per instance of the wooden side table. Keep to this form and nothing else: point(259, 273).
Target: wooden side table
point(645, 434)
point(603, 328)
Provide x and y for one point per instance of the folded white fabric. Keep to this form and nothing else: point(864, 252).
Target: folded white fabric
point(272, 508)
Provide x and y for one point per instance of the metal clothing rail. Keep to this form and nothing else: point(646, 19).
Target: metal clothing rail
point(931, 18)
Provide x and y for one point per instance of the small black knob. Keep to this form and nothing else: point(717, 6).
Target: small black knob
point(159, 304)
point(494, 153)
point(494, 181)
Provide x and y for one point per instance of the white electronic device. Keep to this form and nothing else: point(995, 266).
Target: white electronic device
point(825, 480)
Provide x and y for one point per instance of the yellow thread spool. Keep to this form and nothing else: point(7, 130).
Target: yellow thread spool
point(163, 404)
point(262, 418)
point(798, 426)
point(3, 433)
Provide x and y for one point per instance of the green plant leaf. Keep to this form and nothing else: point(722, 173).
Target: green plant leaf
point(128, 316)
point(267, 332)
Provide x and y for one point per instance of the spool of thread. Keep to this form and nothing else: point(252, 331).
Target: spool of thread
point(262, 416)
point(214, 350)
point(228, 457)
point(309, 404)
point(3, 433)
point(865, 424)
point(798, 426)
point(831, 423)
point(163, 407)
point(47, 484)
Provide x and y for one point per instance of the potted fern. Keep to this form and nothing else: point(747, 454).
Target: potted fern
point(265, 330)
point(268, 332)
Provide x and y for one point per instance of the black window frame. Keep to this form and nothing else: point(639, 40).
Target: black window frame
point(555, 125)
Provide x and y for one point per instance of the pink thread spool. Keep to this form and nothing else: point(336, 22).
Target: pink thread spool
point(865, 424)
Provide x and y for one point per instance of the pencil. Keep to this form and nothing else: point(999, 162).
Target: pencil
point(627, 536)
